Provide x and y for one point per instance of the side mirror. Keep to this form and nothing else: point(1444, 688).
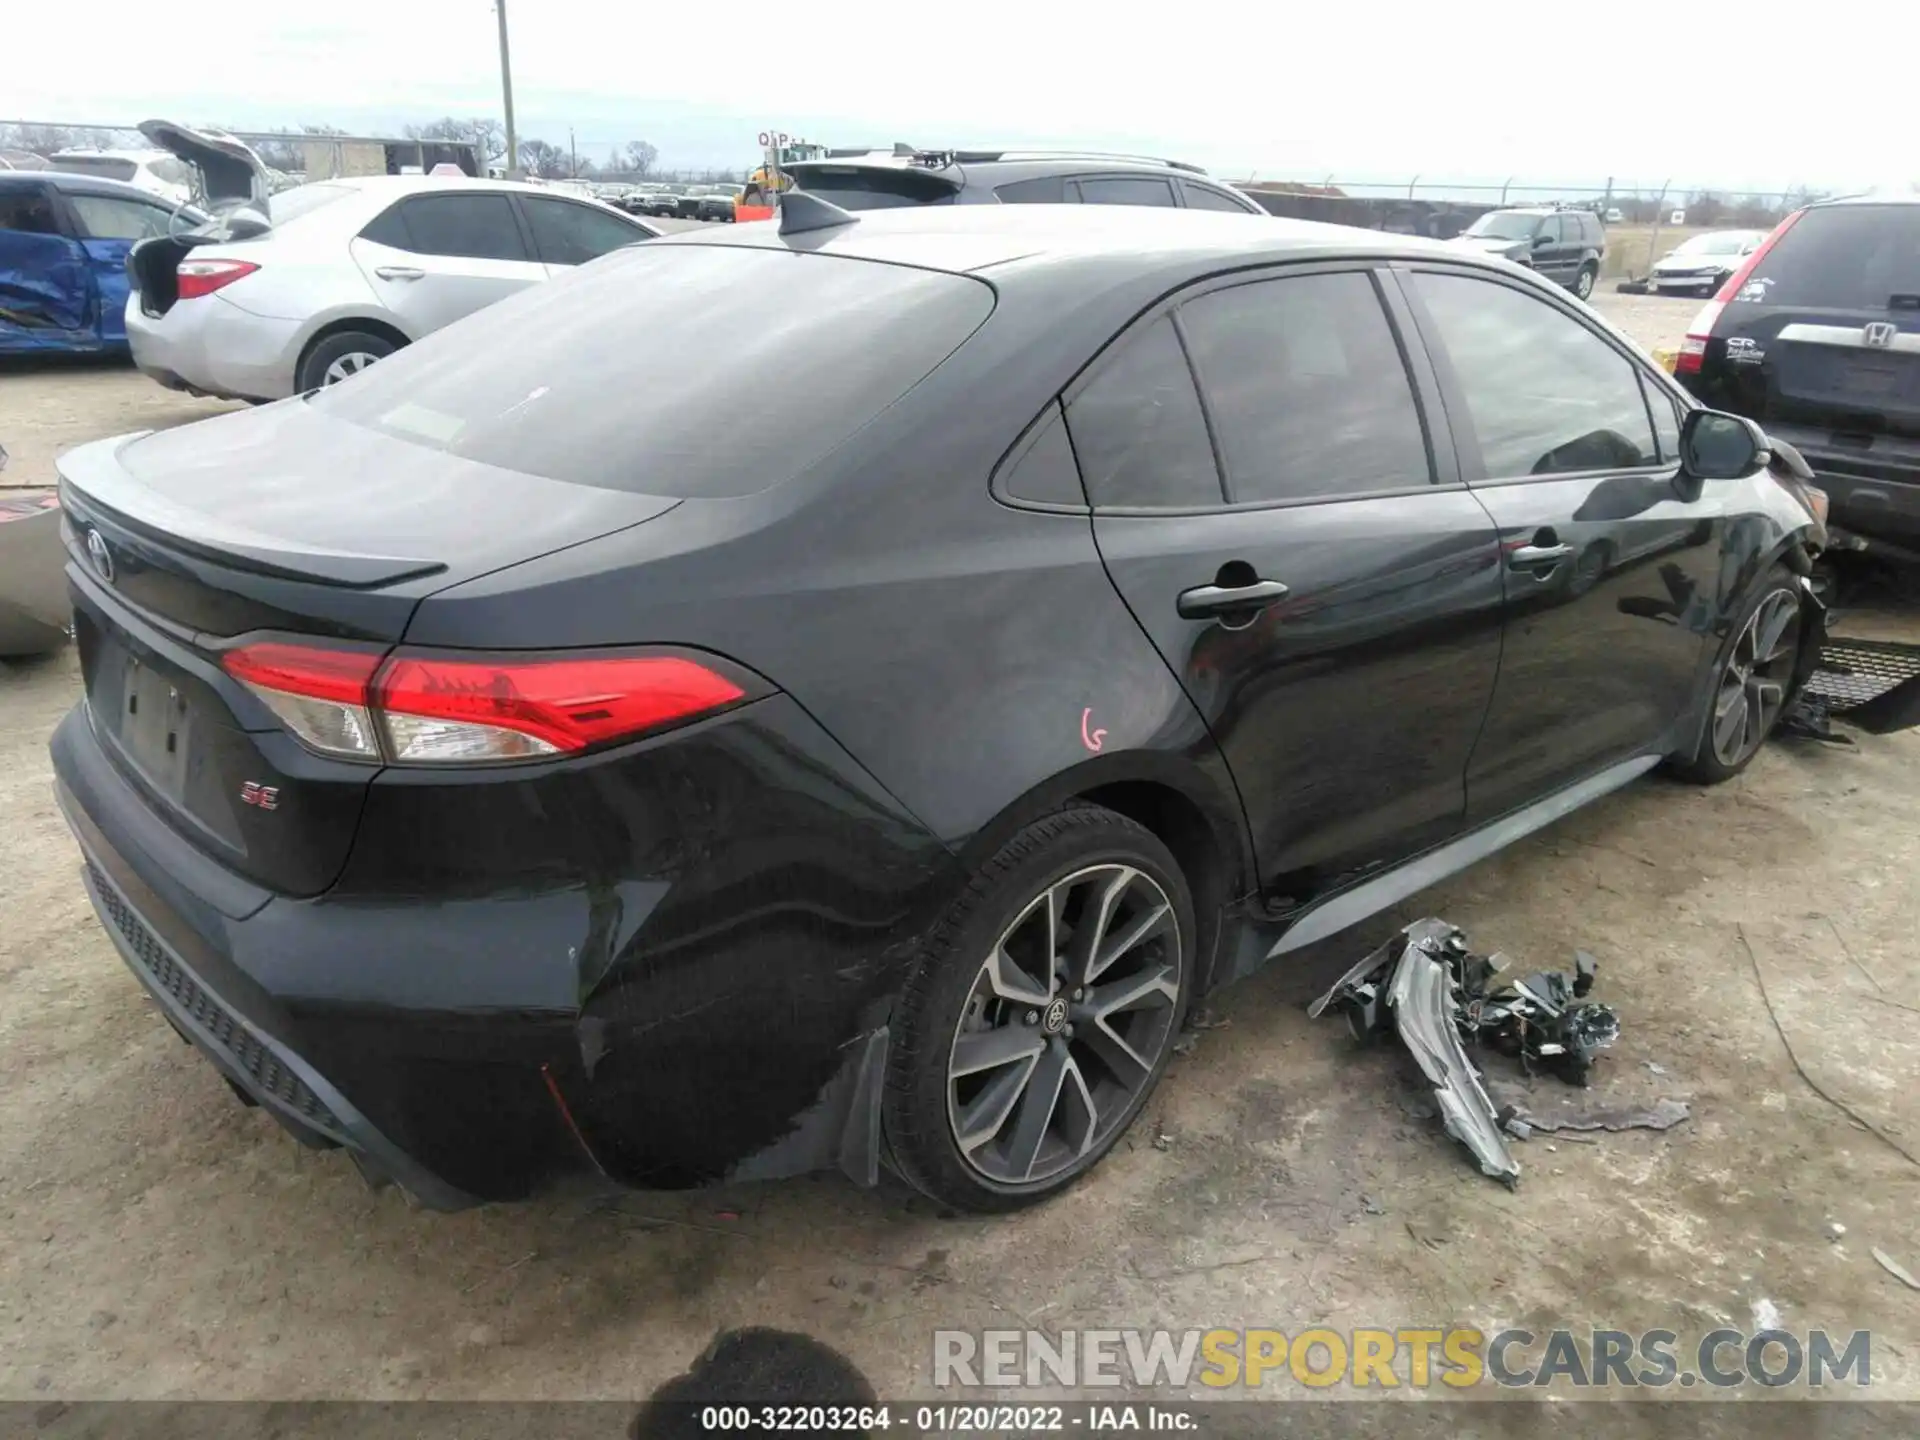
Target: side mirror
point(1718, 446)
point(1539, 240)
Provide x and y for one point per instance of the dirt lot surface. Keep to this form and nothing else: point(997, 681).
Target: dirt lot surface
point(158, 1240)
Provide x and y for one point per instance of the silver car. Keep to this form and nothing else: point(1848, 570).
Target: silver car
point(287, 292)
point(1702, 264)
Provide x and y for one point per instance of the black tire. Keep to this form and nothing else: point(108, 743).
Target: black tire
point(1583, 282)
point(1778, 594)
point(942, 1009)
point(338, 350)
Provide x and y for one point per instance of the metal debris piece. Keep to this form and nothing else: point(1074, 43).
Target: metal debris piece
point(1663, 1114)
point(1894, 1268)
point(1442, 996)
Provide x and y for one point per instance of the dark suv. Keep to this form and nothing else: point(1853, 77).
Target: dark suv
point(879, 180)
point(1566, 246)
point(1817, 337)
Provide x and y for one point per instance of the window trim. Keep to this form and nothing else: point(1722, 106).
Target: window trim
point(1443, 466)
point(399, 206)
point(1466, 440)
point(1052, 413)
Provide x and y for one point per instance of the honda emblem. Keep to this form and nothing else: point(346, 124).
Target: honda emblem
point(1879, 335)
point(101, 556)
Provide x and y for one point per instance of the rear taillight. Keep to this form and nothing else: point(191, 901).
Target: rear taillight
point(203, 277)
point(428, 708)
point(1693, 349)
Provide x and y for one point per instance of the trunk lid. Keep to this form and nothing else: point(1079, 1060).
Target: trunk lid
point(277, 521)
point(230, 173)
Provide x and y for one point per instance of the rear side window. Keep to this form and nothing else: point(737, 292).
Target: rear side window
point(1047, 190)
point(1138, 429)
point(569, 234)
point(1306, 388)
point(476, 227)
point(1204, 197)
point(112, 217)
point(1126, 190)
point(633, 374)
point(1843, 257)
point(1546, 395)
point(110, 166)
point(1041, 468)
point(879, 188)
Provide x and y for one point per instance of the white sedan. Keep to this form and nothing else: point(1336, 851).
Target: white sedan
point(285, 293)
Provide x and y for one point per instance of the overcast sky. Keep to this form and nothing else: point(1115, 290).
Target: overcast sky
point(1759, 94)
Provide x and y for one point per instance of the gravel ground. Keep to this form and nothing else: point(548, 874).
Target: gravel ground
point(157, 1240)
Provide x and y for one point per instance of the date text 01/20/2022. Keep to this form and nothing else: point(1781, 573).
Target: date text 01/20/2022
point(950, 1419)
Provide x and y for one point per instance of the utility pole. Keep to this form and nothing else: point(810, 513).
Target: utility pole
point(573, 150)
point(506, 91)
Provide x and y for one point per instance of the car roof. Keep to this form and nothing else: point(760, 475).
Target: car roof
point(71, 184)
point(999, 167)
point(962, 239)
point(1871, 197)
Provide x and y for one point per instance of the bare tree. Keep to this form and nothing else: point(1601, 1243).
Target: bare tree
point(487, 134)
point(544, 158)
point(641, 156)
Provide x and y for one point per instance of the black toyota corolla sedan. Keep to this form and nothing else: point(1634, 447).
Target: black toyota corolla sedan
point(494, 775)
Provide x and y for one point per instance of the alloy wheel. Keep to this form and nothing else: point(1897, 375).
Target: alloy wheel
point(1753, 683)
point(1583, 286)
point(1066, 1025)
point(349, 364)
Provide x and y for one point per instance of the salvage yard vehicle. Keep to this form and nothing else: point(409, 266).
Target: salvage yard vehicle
point(881, 180)
point(494, 781)
point(292, 291)
point(157, 172)
point(1564, 243)
point(64, 241)
point(1817, 337)
point(1704, 263)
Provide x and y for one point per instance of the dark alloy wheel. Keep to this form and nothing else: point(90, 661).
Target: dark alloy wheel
point(1751, 682)
point(1065, 1026)
point(1752, 688)
point(1583, 283)
point(1041, 1014)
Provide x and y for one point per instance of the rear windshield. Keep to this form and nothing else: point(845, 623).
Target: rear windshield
point(303, 200)
point(875, 188)
point(684, 370)
point(1844, 257)
point(103, 165)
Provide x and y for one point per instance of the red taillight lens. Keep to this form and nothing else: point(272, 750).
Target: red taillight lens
point(203, 277)
point(443, 709)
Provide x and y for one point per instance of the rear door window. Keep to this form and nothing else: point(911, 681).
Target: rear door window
point(1046, 190)
point(632, 376)
point(1138, 429)
point(1125, 190)
point(569, 234)
point(1843, 257)
point(28, 211)
point(1306, 388)
point(1205, 197)
point(1547, 396)
point(469, 226)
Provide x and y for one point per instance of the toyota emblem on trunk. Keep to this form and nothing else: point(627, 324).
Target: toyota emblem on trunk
point(101, 556)
point(1879, 335)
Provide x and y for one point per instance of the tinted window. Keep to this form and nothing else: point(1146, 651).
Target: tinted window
point(1306, 389)
point(28, 211)
point(1666, 420)
point(1044, 471)
point(1553, 229)
point(551, 382)
point(567, 234)
point(1047, 190)
point(479, 227)
point(1545, 393)
point(1203, 197)
point(108, 217)
point(855, 188)
point(1138, 430)
point(1845, 257)
point(174, 172)
point(1126, 190)
point(1591, 228)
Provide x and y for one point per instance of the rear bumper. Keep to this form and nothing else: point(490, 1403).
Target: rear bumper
point(1874, 491)
point(210, 346)
point(726, 1020)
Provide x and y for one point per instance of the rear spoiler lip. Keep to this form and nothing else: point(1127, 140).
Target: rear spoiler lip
point(94, 482)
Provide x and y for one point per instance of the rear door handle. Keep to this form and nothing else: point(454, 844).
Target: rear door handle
point(399, 272)
point(1529, 557)
point(1210, 602)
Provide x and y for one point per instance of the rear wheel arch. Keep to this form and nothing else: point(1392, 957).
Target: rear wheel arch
point(366, 325)
point(1178, 804)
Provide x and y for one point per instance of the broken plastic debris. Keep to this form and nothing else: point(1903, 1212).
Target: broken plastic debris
point(1894, 1268)
point(1663, 1114)
point(1440, 994)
